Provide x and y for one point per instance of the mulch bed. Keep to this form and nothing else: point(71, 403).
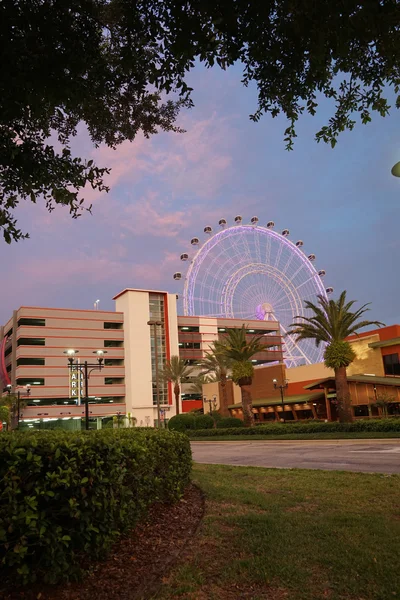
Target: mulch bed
point(137, 564)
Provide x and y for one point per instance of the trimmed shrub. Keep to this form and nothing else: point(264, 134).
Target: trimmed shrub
point(216, 415)
point(66, 496)
point(204, 422)
point(372, 425)
point(182, 422)
point(190, 421)
point(226, 422)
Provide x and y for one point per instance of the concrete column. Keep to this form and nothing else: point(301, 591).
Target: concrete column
point(14, 350)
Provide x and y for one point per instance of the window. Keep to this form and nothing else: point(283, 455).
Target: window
point(114, 362)
point(391, 364)
point(31, 322)
point(31, 342)
point(113, 380)
point(113, 343)
point(193, 362)
point(30, 381)
point(113, 325)
point(107, 400)
point(188, 329)
point(157, 336)
point(260, 331)
point(191, 397)
point(8, 369)
point(8, 351)
point(9, 332)
point(361, 411)
point(190, 345)
point(30, 361)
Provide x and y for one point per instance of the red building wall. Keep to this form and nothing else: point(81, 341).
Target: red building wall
point(188, 405)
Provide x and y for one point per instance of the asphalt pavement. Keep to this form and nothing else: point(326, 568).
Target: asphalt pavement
point(368, 456)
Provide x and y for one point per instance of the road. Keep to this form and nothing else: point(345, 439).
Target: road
point(368, 456)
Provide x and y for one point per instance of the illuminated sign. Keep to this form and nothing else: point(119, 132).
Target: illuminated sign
point(76, 385)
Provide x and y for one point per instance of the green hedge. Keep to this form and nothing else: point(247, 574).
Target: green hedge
point(190, 421)
point(380, 425)
point(226, 422)
point(65, 496)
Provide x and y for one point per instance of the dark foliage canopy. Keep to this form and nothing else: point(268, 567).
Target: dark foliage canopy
point(110, 64)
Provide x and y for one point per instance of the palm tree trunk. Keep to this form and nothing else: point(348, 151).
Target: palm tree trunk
point(247, 406)
point(343, 396)
point(177, 392)
point(224, 404)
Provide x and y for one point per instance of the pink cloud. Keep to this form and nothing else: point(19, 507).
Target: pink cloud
point(201, 156)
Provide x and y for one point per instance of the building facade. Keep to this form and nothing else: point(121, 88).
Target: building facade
point(374, 384)
point(33, 343)
point(196, 334)
point(141, 307)
point(137, 339)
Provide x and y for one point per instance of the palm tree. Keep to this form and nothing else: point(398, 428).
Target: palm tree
point(237, 349)
point(333, 321)
point(11, 402)
point(175, 371)
point(216, 363)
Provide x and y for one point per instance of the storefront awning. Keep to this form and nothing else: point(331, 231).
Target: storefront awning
point(276, 400)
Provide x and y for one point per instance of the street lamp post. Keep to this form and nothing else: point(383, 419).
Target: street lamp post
point(84, 368)
point(375, 394)
point(154, 325)
point(281, 387)
point(211, 403)
point(18, 394)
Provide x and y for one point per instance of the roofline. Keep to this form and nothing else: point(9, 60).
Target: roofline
point(386, 343)
point(94, 310)
point(379, 379)
point(276, 323)
point(140, 290)
point(376, 331)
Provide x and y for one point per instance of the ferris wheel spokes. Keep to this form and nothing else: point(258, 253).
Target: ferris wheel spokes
point(248, 271)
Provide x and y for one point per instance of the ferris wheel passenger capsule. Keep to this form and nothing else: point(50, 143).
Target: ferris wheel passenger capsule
point(208, 230)
point(285, 232)
point(177, 276)
point(238, 220)
point(194, 241)
point(254, 220)
point(184, 256)
point(222, 222)
point(300, 243)
point(329, 290)
point(270, 225)
point(321, 273)
point(311, 257)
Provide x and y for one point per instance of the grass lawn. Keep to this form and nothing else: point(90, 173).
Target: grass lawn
point(293, 535)
point(360, 435)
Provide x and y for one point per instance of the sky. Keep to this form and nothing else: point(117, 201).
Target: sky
point(342, 202)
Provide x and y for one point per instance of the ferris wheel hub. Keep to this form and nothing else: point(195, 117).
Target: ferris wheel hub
point(265, 312)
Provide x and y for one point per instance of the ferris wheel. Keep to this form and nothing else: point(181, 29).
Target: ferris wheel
point(248, 272)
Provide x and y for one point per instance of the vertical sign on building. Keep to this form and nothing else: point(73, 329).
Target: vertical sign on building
point(76, 383)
